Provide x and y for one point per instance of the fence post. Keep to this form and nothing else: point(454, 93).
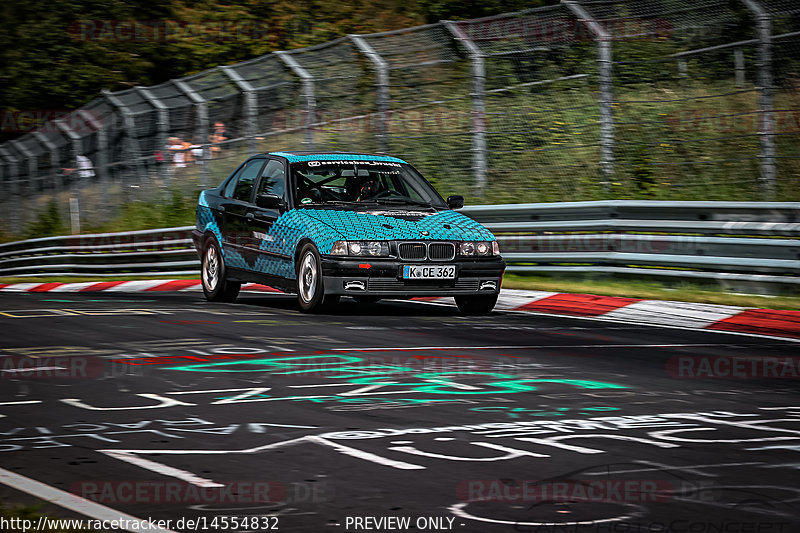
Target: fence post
point(162, 126)
point(766, 123)
point(202, 126)
point(308, 94)
point(13, 185)
point(135, 154)
point(382, 96)
point(55, 162)
point(100, 163)
point(32, 164)
point(738, 61)
point(250, 106)
point(479, 159)
point(606, 80)
point(76, 149)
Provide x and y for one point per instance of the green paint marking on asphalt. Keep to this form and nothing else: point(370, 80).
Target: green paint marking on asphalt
point(445, 383)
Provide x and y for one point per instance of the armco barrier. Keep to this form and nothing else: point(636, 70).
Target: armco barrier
point(735, 241)
point(160, 252)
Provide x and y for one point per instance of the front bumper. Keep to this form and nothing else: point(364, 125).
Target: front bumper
point(383, 277)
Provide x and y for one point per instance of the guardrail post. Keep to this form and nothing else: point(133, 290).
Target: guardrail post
point(382, 96)
point(135, 154)
point(250, 106)
point(12, 182)
point(479, 161)
point(766, 123)
point(683, 69)
point(606, 80)
point(310, 102)
point(75, 199)
point(202, 126)
point(162, 126)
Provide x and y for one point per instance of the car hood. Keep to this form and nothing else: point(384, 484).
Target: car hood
point(398, 223)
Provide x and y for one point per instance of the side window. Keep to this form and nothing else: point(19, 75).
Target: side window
point(273, 180)
point(245, 180)
point(230, 184)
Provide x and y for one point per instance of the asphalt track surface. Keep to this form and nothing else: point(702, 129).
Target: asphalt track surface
point(511, 422)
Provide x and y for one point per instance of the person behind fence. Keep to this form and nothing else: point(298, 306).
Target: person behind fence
point(217, 136)
point(178, 153)
point(85, 167)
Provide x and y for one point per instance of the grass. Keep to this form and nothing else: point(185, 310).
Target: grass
point(682, 292)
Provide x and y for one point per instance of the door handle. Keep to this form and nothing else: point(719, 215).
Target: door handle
point(221, 209)
point(250, 216)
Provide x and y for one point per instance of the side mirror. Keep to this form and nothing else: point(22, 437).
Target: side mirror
point(269, 201)
point(455, 202)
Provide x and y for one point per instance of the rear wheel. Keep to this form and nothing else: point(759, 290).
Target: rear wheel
point(216, 286)
point(310, 287)
point(476, 305)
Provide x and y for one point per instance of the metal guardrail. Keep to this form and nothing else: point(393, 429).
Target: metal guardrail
point(160, 252)
point(755, 242)
point(735, 241)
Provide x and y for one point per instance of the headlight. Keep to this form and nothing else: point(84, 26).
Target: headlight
point(361, 248)
point(479, 248)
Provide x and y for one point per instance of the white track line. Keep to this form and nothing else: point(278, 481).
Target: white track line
point(73, 502)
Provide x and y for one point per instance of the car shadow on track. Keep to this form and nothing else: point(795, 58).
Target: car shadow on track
point(349, 307)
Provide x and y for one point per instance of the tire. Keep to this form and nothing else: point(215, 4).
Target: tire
point(216, 286)
point(310, 286)
point(476, 305)
point(367, 299)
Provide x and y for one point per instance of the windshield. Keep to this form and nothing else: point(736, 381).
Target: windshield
point(368, 182)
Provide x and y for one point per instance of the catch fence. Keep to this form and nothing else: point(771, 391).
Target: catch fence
point(607, 99)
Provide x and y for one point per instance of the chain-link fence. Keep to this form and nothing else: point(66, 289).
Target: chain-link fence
point(652, 99)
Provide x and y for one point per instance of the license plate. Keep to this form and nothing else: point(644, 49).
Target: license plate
point(429, 271)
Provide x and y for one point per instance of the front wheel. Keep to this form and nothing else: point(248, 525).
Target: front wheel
point(476, 305)
point(216, 286)
point(310, 287)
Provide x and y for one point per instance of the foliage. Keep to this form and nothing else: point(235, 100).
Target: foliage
point(47, 224)
point(57, 54)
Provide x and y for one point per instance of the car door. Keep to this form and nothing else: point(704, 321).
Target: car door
point(237, 199)
point(267, 251)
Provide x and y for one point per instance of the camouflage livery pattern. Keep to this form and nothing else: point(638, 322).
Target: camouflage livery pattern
point(323, 227)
